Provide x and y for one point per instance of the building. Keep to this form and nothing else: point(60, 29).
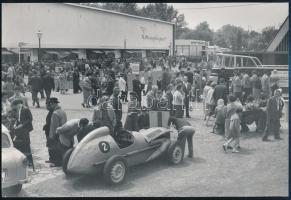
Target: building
point(191, 48)
point(278, 49)
point(81, 31)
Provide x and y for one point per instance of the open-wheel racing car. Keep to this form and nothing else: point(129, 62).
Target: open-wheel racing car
point(100, 152)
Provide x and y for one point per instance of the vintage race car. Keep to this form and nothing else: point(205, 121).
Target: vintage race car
point(14, 165)
point(100, 152)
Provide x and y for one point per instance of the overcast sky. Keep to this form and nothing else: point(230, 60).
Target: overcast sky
point(252, 16)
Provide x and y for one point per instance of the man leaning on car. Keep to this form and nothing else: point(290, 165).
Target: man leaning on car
point(185, 131)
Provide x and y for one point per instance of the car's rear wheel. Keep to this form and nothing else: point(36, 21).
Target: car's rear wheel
point(175, 153)
point(66, 159)
point(115, 170)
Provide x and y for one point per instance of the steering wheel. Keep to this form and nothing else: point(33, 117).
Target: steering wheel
point(130, 138)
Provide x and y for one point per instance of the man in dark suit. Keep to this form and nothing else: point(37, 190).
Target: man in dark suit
point(220, 91)
point(136, 87)
point(274, 111)
point(36, 85)
point(190, 76)
point(187, 90)
point(21, 129)
point(48, 84)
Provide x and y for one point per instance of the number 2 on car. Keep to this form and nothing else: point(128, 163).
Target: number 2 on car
point(104, 146)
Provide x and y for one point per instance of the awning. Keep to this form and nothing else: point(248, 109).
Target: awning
point(51, 52)
point(133, 51)
point(75, 51)
point(22, 51)
point(5, 52)
point(98, 52)
point(158, 51)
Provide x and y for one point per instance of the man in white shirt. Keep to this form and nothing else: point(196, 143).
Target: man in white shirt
point(178, 101)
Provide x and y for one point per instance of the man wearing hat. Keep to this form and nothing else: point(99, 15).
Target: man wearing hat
point(58, 119)
point(274, 111)
point(21, 128)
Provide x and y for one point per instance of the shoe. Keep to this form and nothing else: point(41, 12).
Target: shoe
point(188, 117)
point(224, 148)
point(235, 151)
point(47, 161)
point(266, 140)
point(190, 155)
point(83, 105)
point(38, 106)
point(229, 147)
point(238, 147)
point(278, 138)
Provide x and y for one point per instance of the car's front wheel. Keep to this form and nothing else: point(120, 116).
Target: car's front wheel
point(66, 159)
point(13, 190)
point(175, 153)
point(115, 170)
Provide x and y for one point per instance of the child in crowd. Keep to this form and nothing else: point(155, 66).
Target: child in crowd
point(220, 113)
point(234, 128)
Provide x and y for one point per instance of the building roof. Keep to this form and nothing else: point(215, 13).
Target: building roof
point(118, 13)
point(283, 30)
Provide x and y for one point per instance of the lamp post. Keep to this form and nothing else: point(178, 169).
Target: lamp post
point(174, 36)
point(39, 34)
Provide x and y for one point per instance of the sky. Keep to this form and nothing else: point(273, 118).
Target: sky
point(250, 16)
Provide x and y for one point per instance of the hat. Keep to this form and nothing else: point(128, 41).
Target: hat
point(213, 84)
point(16, 102)
point(53, 100)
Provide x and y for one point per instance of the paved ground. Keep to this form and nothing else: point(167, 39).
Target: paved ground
point(260, 169)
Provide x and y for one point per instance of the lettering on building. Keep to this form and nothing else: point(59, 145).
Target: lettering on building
point(145, 36)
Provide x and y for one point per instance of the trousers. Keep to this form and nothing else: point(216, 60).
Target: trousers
point(186, 133)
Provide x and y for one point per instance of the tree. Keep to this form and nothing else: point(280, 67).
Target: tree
point(268, 33)
point(201, 32)
point(164, 12)
point(128, 8)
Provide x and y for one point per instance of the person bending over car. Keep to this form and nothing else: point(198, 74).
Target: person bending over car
point(74, 127)
point(185, 132)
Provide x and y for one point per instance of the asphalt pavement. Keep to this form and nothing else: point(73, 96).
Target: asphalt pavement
point(260, 169)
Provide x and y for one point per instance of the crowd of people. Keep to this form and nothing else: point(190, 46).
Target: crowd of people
point(247, 98)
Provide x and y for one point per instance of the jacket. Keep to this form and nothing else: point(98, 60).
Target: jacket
point(58, 119)
point(25, 120)
point(68, 131)
point(105, 115)
point(48, 82)
point(35, 83)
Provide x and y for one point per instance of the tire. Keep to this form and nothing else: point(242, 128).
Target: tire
point(91, 99)
point(115, 170)
point(175, 153)
point(66, 159)
point(13, 190)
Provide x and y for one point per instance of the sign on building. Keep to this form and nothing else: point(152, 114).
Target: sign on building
point(135, 68)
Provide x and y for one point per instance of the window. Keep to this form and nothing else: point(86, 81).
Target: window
point(5, 141)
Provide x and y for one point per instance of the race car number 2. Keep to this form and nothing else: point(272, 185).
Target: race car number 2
point(104, 147)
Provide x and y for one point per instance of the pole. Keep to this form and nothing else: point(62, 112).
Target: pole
point(38, 49)
point(19, 55)
point(174, 38)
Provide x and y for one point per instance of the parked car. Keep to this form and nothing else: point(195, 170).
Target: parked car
point(14, 165)
point(100, 152)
